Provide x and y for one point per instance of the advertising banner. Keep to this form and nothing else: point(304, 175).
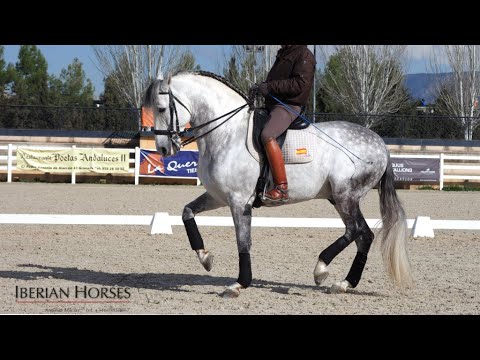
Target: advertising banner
point(182, 164)
point(416, 170)
point(97, 160)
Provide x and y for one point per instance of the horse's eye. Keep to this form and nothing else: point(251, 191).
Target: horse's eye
point(162, 110)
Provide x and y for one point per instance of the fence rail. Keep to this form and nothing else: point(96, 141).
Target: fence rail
point(12, 159)
point(447, 162)
point(11, 162)
point(464, 167)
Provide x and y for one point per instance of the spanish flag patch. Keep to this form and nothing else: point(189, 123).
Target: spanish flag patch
point(301, 151)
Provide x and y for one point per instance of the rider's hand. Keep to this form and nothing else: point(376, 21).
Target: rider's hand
point(263, 89)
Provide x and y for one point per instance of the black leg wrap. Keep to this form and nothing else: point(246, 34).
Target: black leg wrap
point(245, 274)
point(333, 250)
point(356, 270)
point(196, 241)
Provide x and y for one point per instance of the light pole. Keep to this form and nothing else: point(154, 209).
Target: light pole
point(253, 49)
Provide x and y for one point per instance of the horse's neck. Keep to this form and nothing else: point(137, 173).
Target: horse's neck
point(209, 102)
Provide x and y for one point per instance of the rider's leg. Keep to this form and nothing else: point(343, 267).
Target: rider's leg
point(280, 120)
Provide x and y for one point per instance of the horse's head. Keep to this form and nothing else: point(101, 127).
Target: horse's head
point(198, 98)
point(168, 110)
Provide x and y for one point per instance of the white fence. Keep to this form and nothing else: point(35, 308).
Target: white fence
point(464, 166)
point(11, 162)
point(161, 223)
point(469, 164)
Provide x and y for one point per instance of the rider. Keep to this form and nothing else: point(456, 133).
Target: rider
point(290, 80)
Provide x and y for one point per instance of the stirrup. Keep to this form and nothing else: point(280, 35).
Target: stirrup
point(283, 199)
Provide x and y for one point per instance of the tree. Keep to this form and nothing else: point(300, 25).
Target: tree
point(110, 96)
point(458, 92)
point(232, 72)
point(30, 77)
point(76, 88)
point(26, 83)
point(55, 87)
point(133, 67)
point(186, 62)
point(247, 64)
point(366, 80)
point(3, 72)
point(332, 71)
point(116, 114)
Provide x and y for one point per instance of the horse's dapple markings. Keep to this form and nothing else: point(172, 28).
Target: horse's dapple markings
point(350, 161)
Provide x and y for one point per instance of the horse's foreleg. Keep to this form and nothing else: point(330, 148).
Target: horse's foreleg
point(242, 218)
point(204, 202)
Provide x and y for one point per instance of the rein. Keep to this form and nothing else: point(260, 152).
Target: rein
point(175, 134)
point(324, 133)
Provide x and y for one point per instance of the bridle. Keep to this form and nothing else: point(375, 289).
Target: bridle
point(173, 130)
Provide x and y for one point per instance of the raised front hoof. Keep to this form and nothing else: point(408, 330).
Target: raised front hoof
point(206, 259)
point(232, 291)
point(340, 287)
point(320, 273)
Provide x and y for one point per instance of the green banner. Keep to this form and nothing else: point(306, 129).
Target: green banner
point(97, 160)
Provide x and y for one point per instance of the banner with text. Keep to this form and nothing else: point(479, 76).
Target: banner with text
point(413, 169)
point(183, 163)
point(97, 160)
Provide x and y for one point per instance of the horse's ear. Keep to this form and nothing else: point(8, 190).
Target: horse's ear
point(169, 78)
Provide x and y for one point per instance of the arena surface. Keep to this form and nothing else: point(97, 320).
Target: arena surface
point(163, 275)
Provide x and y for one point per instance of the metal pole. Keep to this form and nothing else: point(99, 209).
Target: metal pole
point(9, 163)
point(137, 164)
point(442, 159)
point(314, 82)
point(266, 61)
point(74, 174)
point(254, 63)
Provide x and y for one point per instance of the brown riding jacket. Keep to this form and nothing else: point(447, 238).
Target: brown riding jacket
point(291, 77)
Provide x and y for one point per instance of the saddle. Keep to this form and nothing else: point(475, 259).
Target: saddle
point(260, 118)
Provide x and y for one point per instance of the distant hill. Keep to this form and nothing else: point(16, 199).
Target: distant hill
point(420, 86)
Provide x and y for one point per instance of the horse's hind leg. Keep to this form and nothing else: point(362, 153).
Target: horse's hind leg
point(363, 242)
point(242, 218)
point(204, 202)
point(357, 229)
point(344, 208)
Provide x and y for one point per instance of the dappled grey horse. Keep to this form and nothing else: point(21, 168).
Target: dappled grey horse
point(349, 161)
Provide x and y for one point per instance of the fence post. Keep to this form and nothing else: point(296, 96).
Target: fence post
point(441, 170)
point(137, 164)
point(74, 175)
point(9, 163)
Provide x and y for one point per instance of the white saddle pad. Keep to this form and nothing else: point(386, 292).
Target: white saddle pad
point(299, 146)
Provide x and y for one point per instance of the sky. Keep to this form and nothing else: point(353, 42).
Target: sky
point(209, 57)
